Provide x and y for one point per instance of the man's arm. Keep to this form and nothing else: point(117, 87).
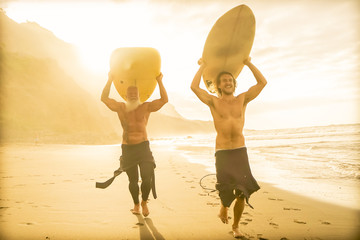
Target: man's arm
point(255, 90)
point(157, 104)
point(203, 95)
point(109, 102)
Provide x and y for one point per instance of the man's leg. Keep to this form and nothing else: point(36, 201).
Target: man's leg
point(227, 197)
point(133, 176)
point(146, 172)
point(223, 214)
point(238, 210)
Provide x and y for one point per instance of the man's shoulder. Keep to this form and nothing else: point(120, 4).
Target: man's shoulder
point(241, 94)
point(144, 107)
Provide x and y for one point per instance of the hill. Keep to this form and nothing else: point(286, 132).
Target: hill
point(41, 100)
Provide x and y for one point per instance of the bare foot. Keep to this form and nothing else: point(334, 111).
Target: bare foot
point(223, 214)
point(145, 210)
point(237, 233)
point(136, 209)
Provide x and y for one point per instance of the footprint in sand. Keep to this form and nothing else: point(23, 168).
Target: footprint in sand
point(246, 213)
point(259, 237)
point(213, 204)
point(295, 209)
point(28, 223)
point(325, 223)
point(299, 222)
point(244, 223)
point(274, 224)
point(276, 199)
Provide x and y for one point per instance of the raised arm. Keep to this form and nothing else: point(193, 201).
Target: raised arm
point(203, 95)
point(109, 102)
point(157, 104)
point(255, 90)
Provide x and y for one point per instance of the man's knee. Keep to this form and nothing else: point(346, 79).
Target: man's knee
point(240, 198)
point(146, 181)
point(133, 183)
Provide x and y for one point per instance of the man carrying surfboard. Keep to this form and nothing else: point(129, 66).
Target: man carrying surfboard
point(136, 152)
point(234, 178)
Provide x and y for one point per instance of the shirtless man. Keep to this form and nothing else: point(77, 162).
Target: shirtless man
point(234, 178)
point(136, 152)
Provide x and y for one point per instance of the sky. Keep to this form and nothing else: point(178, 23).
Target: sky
point(308, 50)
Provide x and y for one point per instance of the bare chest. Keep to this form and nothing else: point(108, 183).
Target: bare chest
point(229, 109)
point(134, 119)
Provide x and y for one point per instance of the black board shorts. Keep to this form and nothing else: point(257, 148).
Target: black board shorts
point(234, 177)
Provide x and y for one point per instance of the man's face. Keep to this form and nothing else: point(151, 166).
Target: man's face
point(132, 94)
point(227, 84)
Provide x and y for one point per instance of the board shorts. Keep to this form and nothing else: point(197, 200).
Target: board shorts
point(133, 154)
point(234, 177)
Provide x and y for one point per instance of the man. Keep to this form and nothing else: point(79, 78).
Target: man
point(136, 152)
point(234, 178)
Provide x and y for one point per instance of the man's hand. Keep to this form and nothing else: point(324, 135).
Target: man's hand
point(159, 78)
point(201, 63)
point(247, 61)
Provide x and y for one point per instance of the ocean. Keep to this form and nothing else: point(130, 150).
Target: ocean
point(319, 162)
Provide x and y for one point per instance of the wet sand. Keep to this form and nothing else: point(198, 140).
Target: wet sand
point(48, 192)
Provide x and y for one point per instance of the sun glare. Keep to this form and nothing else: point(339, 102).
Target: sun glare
point(304, 69)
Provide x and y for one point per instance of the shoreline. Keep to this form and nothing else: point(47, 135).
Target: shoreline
point(265, 167)
point(49, 191)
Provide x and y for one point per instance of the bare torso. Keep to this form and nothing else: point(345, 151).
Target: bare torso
point(229, 119)
point(134, 124)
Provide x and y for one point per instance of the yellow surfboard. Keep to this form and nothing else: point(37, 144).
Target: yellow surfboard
point(136, 66)
point(228, 44)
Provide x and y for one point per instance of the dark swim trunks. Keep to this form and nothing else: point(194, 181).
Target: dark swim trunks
point(132, 154)
point(234, 178)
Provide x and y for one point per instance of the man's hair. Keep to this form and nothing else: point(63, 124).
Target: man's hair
point(217, 83)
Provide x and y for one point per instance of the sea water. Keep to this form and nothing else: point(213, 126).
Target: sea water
point(318, 162)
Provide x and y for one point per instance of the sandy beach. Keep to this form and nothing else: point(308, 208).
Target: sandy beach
point(48, 192)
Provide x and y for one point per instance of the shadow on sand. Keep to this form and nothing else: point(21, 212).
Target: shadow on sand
point(147, 229)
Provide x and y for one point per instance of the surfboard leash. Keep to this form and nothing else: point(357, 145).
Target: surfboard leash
point(205, 188)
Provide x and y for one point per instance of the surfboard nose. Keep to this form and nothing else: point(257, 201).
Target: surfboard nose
point(137, 66)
